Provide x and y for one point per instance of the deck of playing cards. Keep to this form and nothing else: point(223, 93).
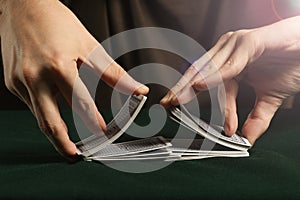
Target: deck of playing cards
point(101, 147)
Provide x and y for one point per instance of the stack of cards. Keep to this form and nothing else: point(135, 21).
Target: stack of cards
point(115, 128)
point(159, 148)
point(214, 133)
point(101, 147)
point(143, 149)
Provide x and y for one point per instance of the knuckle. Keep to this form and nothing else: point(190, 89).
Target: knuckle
point(227, 113)
point(230, 62)
point(241, 32)
point(232, 66)
point(114, 74)
point(193, 69)
point(208, 69)
point(244, 36)
point(239, 35)
point(56, 62)
point(51, 129)
point(179, 84)
point(226, 36)
point(233, 69)
point(118, 72)
point(244, 39)
point(29, 73)
point(87, 107)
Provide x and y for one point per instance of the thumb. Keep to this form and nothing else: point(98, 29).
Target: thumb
point(260, 117)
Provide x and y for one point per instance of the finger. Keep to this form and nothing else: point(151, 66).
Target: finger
point(22, 93)
point(83, 104)
point(219, 59)
point(166, 100)
point(184, 96)
point(260, 117)
point(199, 64)
point(231, 118)
point(184, 82)
point(77, 95)
point(17, 88)
point(112, 73)
point(51, 123)
point(230, 69)
point(120, 80)
point(190, 74)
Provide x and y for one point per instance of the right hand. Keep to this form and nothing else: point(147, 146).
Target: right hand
point(42, 41)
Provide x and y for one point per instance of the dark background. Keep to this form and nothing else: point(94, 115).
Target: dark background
point(111, 25)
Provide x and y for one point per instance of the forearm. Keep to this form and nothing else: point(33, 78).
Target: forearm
point(4, 4)
point(13, 9)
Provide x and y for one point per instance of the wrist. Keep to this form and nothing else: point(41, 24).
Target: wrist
point(281, 35)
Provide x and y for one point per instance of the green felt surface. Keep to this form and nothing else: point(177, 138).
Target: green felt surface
point(31, 169)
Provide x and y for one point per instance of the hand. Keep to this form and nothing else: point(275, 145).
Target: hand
point(42, 41)
point(267, 58)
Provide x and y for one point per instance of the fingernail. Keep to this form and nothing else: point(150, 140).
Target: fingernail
point(166, 100)
point(174, 100)
point(143, 90)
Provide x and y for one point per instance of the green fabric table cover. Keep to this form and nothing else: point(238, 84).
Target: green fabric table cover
point(31, 169)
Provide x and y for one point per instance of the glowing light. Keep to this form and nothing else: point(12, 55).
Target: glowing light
point(294, 4)
point(286, 8)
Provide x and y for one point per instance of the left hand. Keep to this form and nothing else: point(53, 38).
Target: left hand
point(267, 58)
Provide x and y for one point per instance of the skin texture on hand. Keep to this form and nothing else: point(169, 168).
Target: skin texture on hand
point(267, 58)
point(42, 41)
